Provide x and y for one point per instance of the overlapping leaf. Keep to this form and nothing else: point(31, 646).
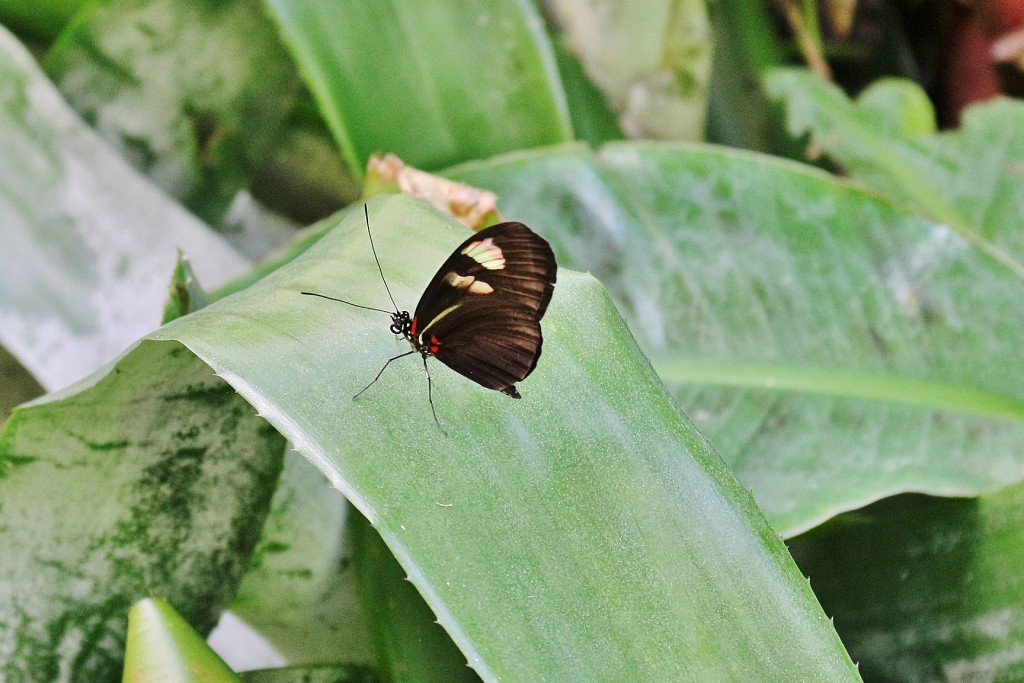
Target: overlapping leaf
point(835, 347)
point(424, 81)
point(925, 589)
point(88, 245)
point(152, 478)
point(971, 179)
point(202, 98)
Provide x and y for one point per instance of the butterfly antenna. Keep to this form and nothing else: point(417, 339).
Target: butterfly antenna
point(331, 298)
point(366, 213)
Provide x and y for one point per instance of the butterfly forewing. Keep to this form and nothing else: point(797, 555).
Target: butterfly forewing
point(480, 315)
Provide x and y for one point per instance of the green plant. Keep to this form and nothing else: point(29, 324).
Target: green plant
point(836, 342)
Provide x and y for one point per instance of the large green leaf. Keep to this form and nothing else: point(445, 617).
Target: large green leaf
point(436, 83)
point(88, 244)
point(586, 531)
point(151, 478)
point(835, 347)
point(925, 589)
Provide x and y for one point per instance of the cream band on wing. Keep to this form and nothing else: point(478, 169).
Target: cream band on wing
point(467, 282)
point(486, 253)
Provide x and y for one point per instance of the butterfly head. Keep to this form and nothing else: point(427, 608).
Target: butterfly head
point(401, 323)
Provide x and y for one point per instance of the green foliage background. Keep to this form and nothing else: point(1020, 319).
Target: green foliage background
point(741, 349)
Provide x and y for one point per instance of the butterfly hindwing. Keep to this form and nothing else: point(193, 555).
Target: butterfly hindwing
point(495, 354)
point(480, 314)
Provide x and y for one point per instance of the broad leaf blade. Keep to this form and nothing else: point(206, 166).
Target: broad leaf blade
point(925, 589)
point(793, 312)
point(433, 83)
point(583, 533)
point(88, 244)
point(151, 478)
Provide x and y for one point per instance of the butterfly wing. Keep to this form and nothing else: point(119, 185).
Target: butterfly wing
point(480, 315)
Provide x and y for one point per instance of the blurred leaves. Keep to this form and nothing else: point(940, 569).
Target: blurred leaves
point(41, 19)
point(925, 589)
point(184, 294)
point(88, 244)
point(652, 65)
point(197, 95)
point(972, 179)
point(462, 80)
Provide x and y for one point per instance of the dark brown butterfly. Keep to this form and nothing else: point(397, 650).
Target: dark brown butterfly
point(480, 314)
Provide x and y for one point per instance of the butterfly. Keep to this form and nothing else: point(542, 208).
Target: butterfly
point(480, 314)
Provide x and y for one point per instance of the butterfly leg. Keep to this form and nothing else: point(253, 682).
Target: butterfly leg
point(430, 395)
point(401, 355)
